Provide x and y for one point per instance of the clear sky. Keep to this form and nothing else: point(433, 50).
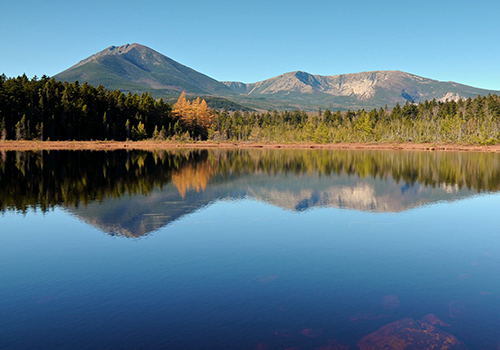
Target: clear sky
point(250, 41)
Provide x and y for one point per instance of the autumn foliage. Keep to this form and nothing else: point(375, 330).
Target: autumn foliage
point(194, 115)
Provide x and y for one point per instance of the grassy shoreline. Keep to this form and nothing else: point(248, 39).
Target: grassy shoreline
point(158, 145)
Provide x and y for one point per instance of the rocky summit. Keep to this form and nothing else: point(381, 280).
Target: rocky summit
point(138, 68)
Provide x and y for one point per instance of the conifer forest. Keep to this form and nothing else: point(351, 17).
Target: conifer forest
point(46, 109)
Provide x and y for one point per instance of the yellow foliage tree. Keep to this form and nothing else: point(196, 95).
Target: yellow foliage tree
point(204, 114)
point(193, 114)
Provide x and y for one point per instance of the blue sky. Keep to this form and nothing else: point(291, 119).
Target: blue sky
point(250, 41)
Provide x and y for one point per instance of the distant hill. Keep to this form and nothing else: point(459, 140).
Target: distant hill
point(137, 68)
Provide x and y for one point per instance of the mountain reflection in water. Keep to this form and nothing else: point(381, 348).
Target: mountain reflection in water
point(132, 193)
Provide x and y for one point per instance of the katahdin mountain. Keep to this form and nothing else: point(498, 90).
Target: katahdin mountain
point(137, 68)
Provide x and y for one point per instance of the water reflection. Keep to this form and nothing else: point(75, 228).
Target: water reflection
point(281, 269)
point(134, 193)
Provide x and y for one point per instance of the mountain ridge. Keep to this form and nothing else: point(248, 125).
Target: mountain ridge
point(137, 68)
point(363, 85)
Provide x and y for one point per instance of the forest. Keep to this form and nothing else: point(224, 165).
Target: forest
point(45, 109)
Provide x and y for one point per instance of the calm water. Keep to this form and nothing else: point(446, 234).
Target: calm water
point(255, 249)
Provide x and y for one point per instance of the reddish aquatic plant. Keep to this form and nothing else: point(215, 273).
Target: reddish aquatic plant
point(334, 345)
point(312, 332)
point(461, 308)
point(283, 333)
point(261, 346)
point(366, 317)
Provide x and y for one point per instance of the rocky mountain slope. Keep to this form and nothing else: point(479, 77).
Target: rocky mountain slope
point(137, 68)
point(366, 89)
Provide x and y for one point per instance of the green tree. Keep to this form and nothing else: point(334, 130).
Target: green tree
point(139, 132)
point(155, 133)
point(21, 129)
point(3, 130)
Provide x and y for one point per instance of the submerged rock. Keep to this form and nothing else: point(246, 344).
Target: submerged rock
point(433, 321)
point(409, 334)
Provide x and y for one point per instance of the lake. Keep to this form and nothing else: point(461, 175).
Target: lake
point(249, 249)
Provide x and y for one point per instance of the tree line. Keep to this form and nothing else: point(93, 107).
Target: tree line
point(475, 121)
point(46, 109)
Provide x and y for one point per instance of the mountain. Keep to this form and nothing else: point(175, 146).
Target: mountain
point(357, 90)
point(137, 68)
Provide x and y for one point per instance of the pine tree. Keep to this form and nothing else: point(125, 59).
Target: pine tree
point(3, 130)
point(127, 128)
point(155, 133)
point(39, 131)
point(139, 132)
point(21, 129)
point(163, 134)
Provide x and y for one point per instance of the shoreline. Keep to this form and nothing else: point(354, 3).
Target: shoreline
point(166, 145)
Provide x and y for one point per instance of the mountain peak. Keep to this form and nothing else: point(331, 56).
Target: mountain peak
point(123, 49)
point(138, 68)
point(115, 51)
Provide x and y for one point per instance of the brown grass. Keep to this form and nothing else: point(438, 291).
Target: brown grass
point(155, 145)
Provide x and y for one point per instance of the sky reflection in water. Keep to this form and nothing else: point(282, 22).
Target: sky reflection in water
point(232, 256)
